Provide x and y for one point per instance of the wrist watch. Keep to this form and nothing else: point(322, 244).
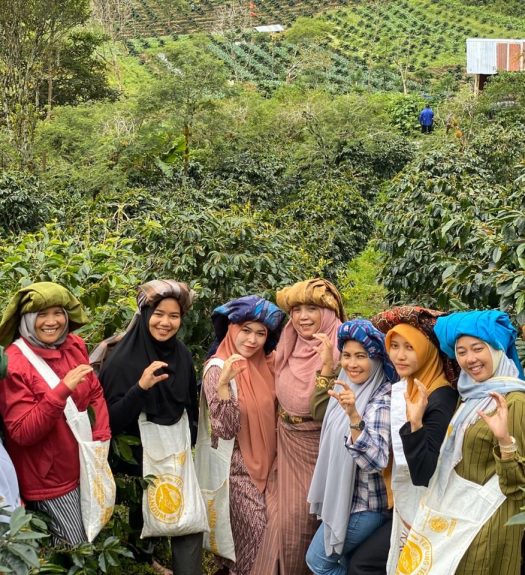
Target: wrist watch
point(359, 426)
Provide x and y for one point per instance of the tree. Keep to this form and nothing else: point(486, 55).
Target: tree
point(30, 33)
point(114, 17)
point(193, 80)
point(79, 74)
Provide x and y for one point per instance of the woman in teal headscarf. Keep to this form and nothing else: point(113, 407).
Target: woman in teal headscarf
point(485, 444)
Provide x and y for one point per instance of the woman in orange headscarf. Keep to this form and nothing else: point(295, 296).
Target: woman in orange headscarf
point(423, 402)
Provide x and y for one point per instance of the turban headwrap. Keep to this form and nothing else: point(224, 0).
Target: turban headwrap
point(491, 326)
point(316, 291)
point(36, 297)
point(373, 340)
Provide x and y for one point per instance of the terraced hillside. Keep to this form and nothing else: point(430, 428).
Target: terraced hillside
point(401, 45)
point(148, 18)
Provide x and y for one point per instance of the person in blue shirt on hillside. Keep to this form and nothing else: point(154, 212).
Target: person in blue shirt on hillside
point(426, 119)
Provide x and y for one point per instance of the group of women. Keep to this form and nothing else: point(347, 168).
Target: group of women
point(393, 445)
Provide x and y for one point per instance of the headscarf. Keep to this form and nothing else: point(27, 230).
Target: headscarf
point(373, 340)
point(248, 308)
point(424, 320)
point(492, 326)
point(34, 298)
point(316, 291)
point(297, 360)
point(165, 402)
point(333, 482)
point(430, 373)
point(496, 328)
point(255, 384)
point(27, 330)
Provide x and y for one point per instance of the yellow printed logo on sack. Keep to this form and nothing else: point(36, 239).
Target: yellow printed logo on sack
point(165, 498)
point(439, 524)
point(212, 522)
point(416, 557)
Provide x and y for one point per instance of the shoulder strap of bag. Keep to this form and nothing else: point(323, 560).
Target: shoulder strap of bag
point(47, 374)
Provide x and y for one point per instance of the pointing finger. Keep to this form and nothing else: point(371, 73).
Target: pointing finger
point(343, 384)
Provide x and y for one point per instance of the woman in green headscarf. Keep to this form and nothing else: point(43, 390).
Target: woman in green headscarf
point(40, 318)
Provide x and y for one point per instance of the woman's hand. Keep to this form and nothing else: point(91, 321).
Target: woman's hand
point(346, 399)
point(498, 421)
point(416, 409)
point(326, 351)
point(76, 376)
point(231, 369)
point(149, 379)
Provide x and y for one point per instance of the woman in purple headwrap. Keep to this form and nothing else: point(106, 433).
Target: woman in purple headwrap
point(238, 419)
point(347, 490)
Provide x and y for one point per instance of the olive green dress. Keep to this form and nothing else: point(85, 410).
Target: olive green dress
point(496, 550)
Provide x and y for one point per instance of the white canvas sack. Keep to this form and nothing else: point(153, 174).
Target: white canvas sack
point(406, 495)
point(213, 472)
point(97, 486)
point(443, 530)
point(172, 504)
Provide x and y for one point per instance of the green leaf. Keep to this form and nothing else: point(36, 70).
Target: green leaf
point(496, 255)
point(448, 271)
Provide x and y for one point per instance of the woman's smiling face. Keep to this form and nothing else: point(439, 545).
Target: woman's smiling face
point(165, 320)
point(356, 362)
point(251, 338)
point(306, 319)
point(474, 358)
point(50, 324)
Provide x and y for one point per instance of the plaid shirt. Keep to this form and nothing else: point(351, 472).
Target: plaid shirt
point(371, 451)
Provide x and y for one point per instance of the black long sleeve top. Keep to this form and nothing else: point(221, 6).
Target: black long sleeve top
point(422, 447)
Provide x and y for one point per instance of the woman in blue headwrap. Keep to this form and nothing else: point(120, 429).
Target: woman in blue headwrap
point(347, 490)
point(239, 418)
point(480, 473)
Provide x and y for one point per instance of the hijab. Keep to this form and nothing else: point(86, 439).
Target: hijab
point(297, 362)
point(423, 319)
point(430, 371)
point(296, 358)
point(34, 298)
point(494, 329)
point(333, 482)
point(256, 395)
point(491, 326)
point(165, 402)
point(319, 292)
point(255, 384)
point(27, 330)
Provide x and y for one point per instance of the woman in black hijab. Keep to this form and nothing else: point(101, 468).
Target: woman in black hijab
point(151, 372)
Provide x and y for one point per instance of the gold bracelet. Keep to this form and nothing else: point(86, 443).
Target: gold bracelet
point(324, 381)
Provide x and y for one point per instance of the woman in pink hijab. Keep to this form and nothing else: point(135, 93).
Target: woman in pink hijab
point(316, 311)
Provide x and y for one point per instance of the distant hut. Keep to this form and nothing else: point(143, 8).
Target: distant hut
point(488, 56)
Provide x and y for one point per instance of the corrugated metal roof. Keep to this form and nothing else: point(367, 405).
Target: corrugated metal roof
point(490, 55)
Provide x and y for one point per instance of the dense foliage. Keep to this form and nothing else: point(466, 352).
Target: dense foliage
point(240, 163)
point(453, 234)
